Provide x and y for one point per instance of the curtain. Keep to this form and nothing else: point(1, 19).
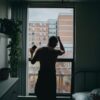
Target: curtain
point(19, 12)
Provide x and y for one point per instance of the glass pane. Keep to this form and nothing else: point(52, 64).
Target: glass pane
point(63, 76)
point(43, 23)
point(46, 22)
point(32, 76)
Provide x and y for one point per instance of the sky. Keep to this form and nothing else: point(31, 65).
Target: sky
point(43, 14)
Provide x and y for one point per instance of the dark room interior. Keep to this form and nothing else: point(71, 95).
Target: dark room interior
point(81, 43)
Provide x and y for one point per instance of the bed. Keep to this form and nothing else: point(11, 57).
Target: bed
point(87, 85)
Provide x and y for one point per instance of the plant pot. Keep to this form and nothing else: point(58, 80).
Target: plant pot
point(4, 73)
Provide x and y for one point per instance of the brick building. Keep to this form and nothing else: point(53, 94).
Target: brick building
point(65, 31)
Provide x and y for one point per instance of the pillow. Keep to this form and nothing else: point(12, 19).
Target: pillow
point(81, 96)
point(95, 91)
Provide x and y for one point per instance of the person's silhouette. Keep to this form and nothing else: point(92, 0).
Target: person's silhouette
point(45, 88)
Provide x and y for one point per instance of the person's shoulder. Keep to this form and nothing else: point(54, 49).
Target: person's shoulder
point(41, 48)
point(59, 52)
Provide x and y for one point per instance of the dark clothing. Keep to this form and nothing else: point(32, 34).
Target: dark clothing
point(45, 88)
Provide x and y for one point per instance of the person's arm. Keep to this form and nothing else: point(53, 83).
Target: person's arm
point(35, 57)
point(32, 50)
point(62, 50)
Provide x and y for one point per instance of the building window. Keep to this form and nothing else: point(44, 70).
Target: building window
point(58, 23)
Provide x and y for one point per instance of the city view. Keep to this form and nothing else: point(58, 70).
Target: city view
point(43, 23)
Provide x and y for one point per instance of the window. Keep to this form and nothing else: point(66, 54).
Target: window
point(56, 21)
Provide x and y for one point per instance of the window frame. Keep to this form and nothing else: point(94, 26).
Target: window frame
point(59, 4)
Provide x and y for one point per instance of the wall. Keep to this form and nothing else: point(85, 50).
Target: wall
point(3, 50)
point(87, 38)
point(3, 41)
point(3, 9)
point(3, 14)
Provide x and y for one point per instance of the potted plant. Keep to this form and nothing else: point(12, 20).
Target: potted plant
point(12, 29)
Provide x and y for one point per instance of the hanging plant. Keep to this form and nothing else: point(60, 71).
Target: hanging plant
point(12, 29)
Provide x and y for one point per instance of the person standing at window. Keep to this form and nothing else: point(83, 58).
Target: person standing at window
point(45, 88)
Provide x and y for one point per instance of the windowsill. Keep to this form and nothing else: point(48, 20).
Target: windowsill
point(58, 97)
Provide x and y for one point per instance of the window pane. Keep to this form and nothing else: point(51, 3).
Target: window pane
point(42, 24)
point(63, 76)
point(32, 76)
